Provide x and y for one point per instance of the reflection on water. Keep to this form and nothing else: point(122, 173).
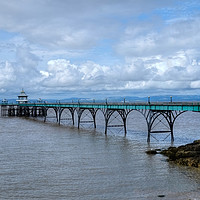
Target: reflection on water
point(47, 161)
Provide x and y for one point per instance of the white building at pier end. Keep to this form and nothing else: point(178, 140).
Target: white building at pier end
point(22, 97)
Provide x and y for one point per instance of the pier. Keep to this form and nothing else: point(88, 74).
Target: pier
point(162, 113)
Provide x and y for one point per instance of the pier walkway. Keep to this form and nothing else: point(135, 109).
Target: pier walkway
point(156, 114)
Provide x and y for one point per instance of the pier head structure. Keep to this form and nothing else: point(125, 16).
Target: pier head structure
point(22, 98)
point(160, 116)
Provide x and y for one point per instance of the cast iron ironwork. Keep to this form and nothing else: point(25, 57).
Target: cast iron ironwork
point(154, 113)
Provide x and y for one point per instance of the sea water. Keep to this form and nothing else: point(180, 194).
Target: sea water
point(46, 161)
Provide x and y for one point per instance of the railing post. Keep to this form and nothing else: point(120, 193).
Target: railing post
point(148, 99)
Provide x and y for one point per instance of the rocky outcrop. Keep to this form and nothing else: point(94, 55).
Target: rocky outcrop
point(188, 154)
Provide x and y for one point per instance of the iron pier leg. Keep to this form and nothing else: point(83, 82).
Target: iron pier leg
point(94, 118)
point(45, 114)
point(171, 120)
point(79, 118)
point(149, 135)
point(106, 126)
point(59, 118)
point(172, 132)
point(125, 130)
point(79, 122)
point(149, 119)
point(72, 117)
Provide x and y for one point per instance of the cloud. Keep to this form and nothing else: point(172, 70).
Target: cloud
point(62, 76)
point(20, 74)
point(141, 74)
point(66, 46)
point(7, 74)
point(70, 24)
point(62, 73)
point(147, 41)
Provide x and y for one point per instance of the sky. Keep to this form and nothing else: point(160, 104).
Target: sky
point(99, 48)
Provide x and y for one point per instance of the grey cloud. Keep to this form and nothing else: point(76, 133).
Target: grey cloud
point(70, 24)
point(186, 73)
point(181, 35)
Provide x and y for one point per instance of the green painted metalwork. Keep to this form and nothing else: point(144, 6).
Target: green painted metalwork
point(179, 106)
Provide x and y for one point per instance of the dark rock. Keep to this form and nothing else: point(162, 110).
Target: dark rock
point(185, 154)
point(188, 154)
point(170, 152)
point(197, 147)
point(151, 152)
point(161, 195)
point(196, 142)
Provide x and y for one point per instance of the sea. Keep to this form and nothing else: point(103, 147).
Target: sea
point(48, 161)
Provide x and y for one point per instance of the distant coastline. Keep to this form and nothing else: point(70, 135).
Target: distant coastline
point(163, 98)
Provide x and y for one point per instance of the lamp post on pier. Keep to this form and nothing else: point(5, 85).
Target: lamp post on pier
point(149, 99)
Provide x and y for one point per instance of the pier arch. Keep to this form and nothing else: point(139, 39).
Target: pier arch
point(86, 116)
point(100, 120)
point(66, 116)
point(51, 114)
point(115, 118)
point(189, 122)
point(136, 122)
point(161, 121)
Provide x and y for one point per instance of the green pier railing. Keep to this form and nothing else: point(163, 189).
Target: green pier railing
point(179, 106)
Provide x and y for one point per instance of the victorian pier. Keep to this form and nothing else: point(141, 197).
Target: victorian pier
point(163, 113)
